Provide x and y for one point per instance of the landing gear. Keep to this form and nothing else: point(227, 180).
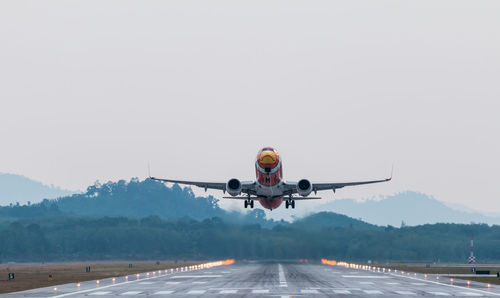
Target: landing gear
point(290, 203)
point(249, 203)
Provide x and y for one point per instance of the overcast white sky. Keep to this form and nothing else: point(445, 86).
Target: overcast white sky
point(343, 89)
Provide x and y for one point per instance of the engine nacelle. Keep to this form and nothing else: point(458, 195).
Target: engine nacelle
point(304, 187)
point(233, 187)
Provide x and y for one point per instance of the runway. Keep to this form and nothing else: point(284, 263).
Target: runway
point(270, 280)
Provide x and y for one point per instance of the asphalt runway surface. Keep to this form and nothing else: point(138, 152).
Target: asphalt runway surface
point(270, 280)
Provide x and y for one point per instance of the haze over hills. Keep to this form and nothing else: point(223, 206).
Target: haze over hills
point(143, 219)
point(17, 188)
point(410, 207)
point(139, 199)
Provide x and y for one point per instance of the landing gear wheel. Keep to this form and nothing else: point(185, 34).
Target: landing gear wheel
point(286, 204)
point(293, 204)
point(246, 204)
point(251, 204)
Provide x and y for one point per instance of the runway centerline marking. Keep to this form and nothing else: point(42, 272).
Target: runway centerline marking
point(439, 293)
point(282, 277)
point(373, 292)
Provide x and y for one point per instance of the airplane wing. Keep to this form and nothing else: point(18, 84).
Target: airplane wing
point(334, 186)
point(246, 187)
point(291, 187)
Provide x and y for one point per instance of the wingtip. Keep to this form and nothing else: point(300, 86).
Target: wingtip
point(392, 171)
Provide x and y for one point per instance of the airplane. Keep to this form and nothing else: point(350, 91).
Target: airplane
point(269, 188)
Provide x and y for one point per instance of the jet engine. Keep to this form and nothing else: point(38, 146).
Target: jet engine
point(233, 187)
point(304, 187)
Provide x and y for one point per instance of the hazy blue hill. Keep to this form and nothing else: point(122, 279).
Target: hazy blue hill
point(139, 199)
point(328, 220)
point(135, 199)
point(411, 207)
point(17, 188)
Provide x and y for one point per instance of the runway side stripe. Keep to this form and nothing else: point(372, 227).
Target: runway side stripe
point(447, 285)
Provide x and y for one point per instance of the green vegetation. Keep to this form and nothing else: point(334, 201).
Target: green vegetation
point(63, 238)
point(146, 220)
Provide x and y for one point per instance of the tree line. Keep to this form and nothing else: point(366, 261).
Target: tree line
point(62, 238)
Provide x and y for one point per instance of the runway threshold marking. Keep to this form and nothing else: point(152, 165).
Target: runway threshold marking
point(119, 284)
point(282, 277)
point(405, 293)
point(365, 276)
point(309, 291)
point(131, 293)
point(373, 292)
point(163, 293)
point(342, 291)
point(196, 276)
point(260, 291)
point(439, 293)
point(228, 292)
point(196, 292)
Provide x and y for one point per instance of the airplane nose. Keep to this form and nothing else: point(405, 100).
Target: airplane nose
point(267, 158)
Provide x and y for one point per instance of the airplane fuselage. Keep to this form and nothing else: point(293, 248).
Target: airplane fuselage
point(269, 178)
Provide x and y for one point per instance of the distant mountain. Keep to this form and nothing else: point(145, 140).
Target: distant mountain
point(410, 207)
point(136, 199)
point(17, 188)
point(328, 220)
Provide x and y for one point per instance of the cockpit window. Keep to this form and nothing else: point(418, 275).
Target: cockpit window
point(267, 149)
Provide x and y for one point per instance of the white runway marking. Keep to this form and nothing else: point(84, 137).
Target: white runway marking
point(100, 293)
point(228, 292)
point(470, 294)
point(131, 293)
point(163, 293)
point(196, 276)
point(405, 293)
point(342, 292)
point(439, 293)
point(366, 283)
point(173, 282)
point(309, 291)
point(365, 276)
point(199, 282)
point(392, 283)
point(146, 283)
point(260, 291)
point(196, 292)
point(373, 292)
point(418, 283)
point(475, 291)
point(282, 277)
